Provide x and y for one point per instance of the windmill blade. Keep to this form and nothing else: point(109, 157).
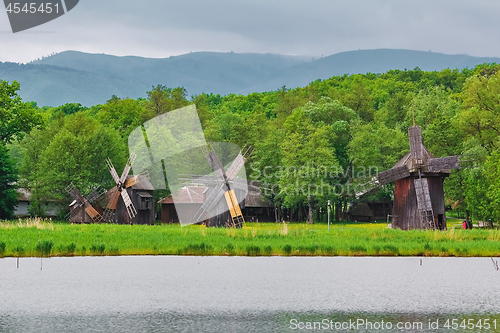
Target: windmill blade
point(96, 194)
point(232, 204)
point(94, 214)
point(132, 212)
point(75, 194)
point(113, 198)
point(206, 180)
point(128, 166)
point(112, 170)
point(137, 179)
point(239, 184)
point(216, 165)
point(415, 137)
point(210, 202)
point(422, 192)
point(75, 211)
point(393, 174)
point(236, 166)
point(443, 163)
point(424, 203)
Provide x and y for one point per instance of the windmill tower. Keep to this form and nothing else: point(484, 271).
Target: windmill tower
point(222, 202)
point(136, 204)
point(419, 177)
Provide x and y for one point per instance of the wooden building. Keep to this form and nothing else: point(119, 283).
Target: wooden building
point(406, 214)
point(419, 177)
point(369, 211)
point(141, 195)
point(190, 198)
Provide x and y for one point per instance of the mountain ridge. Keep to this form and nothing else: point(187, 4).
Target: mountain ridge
point(90, 79)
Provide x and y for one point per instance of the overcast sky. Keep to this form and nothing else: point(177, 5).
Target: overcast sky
point(161, 28)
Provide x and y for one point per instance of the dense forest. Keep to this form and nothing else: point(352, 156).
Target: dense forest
point(312, 144)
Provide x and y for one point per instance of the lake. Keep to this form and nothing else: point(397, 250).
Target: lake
point(248, 294)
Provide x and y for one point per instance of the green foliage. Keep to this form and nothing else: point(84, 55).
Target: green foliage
point(71, 150)
point(162, 99)
point(97, 249)
point(375, 145)
point(345, 124)
point(44, 248)
point(8, 178)
point(16, 118)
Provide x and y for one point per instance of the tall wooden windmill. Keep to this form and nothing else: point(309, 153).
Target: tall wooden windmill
point(120, 190)
point(221, 197)
point(82, 209)
point(419, 195)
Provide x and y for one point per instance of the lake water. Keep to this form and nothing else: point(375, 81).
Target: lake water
point(239, 294)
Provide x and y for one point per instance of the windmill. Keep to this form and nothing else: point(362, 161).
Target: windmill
point(122, 183)
point(82, 209)
point(419, 195)
point(223, 186)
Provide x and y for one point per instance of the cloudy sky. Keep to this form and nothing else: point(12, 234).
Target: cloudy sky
point(161, 28)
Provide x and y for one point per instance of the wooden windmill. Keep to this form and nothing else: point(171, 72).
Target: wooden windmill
point(419, 195)
point(82, 209)
point(120, 190)
point(221, 196)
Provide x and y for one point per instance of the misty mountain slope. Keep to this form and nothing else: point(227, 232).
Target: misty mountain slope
point(368, 61)
point(92, 79)
point(53, 86)
point(198, 72)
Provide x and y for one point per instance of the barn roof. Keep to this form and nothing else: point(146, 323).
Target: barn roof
point(196, 194)
point(406, 160)
point(187, 194)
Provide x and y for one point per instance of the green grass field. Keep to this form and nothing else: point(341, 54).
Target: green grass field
point(33, 237)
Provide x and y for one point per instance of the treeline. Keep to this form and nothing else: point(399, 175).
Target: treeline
point(312, 144)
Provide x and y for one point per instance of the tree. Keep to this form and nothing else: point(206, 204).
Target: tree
point(308, 158)
point(480, 116)
point(71, 150)
point(162, 99)
point(8, 178)
point(16, 118)
point(375, 145)
point(122, 115)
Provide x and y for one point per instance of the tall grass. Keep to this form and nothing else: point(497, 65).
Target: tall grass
point(45, 238)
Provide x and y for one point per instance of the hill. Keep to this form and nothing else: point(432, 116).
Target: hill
point(93, 78)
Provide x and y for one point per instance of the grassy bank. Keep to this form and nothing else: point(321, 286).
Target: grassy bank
point(30, 238)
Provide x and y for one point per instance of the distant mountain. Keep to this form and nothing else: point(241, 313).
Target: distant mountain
point(53, 85)
point(92, 79)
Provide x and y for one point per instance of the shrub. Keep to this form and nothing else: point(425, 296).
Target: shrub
point(98, 249)
point(287, 249)
point(18, 251)
point(2, 249)
point(268, 250)
point(198, 249)
point(45, 247)
point(113, 251)
point(253, 250)
point(391, 249)
point(229, 248)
